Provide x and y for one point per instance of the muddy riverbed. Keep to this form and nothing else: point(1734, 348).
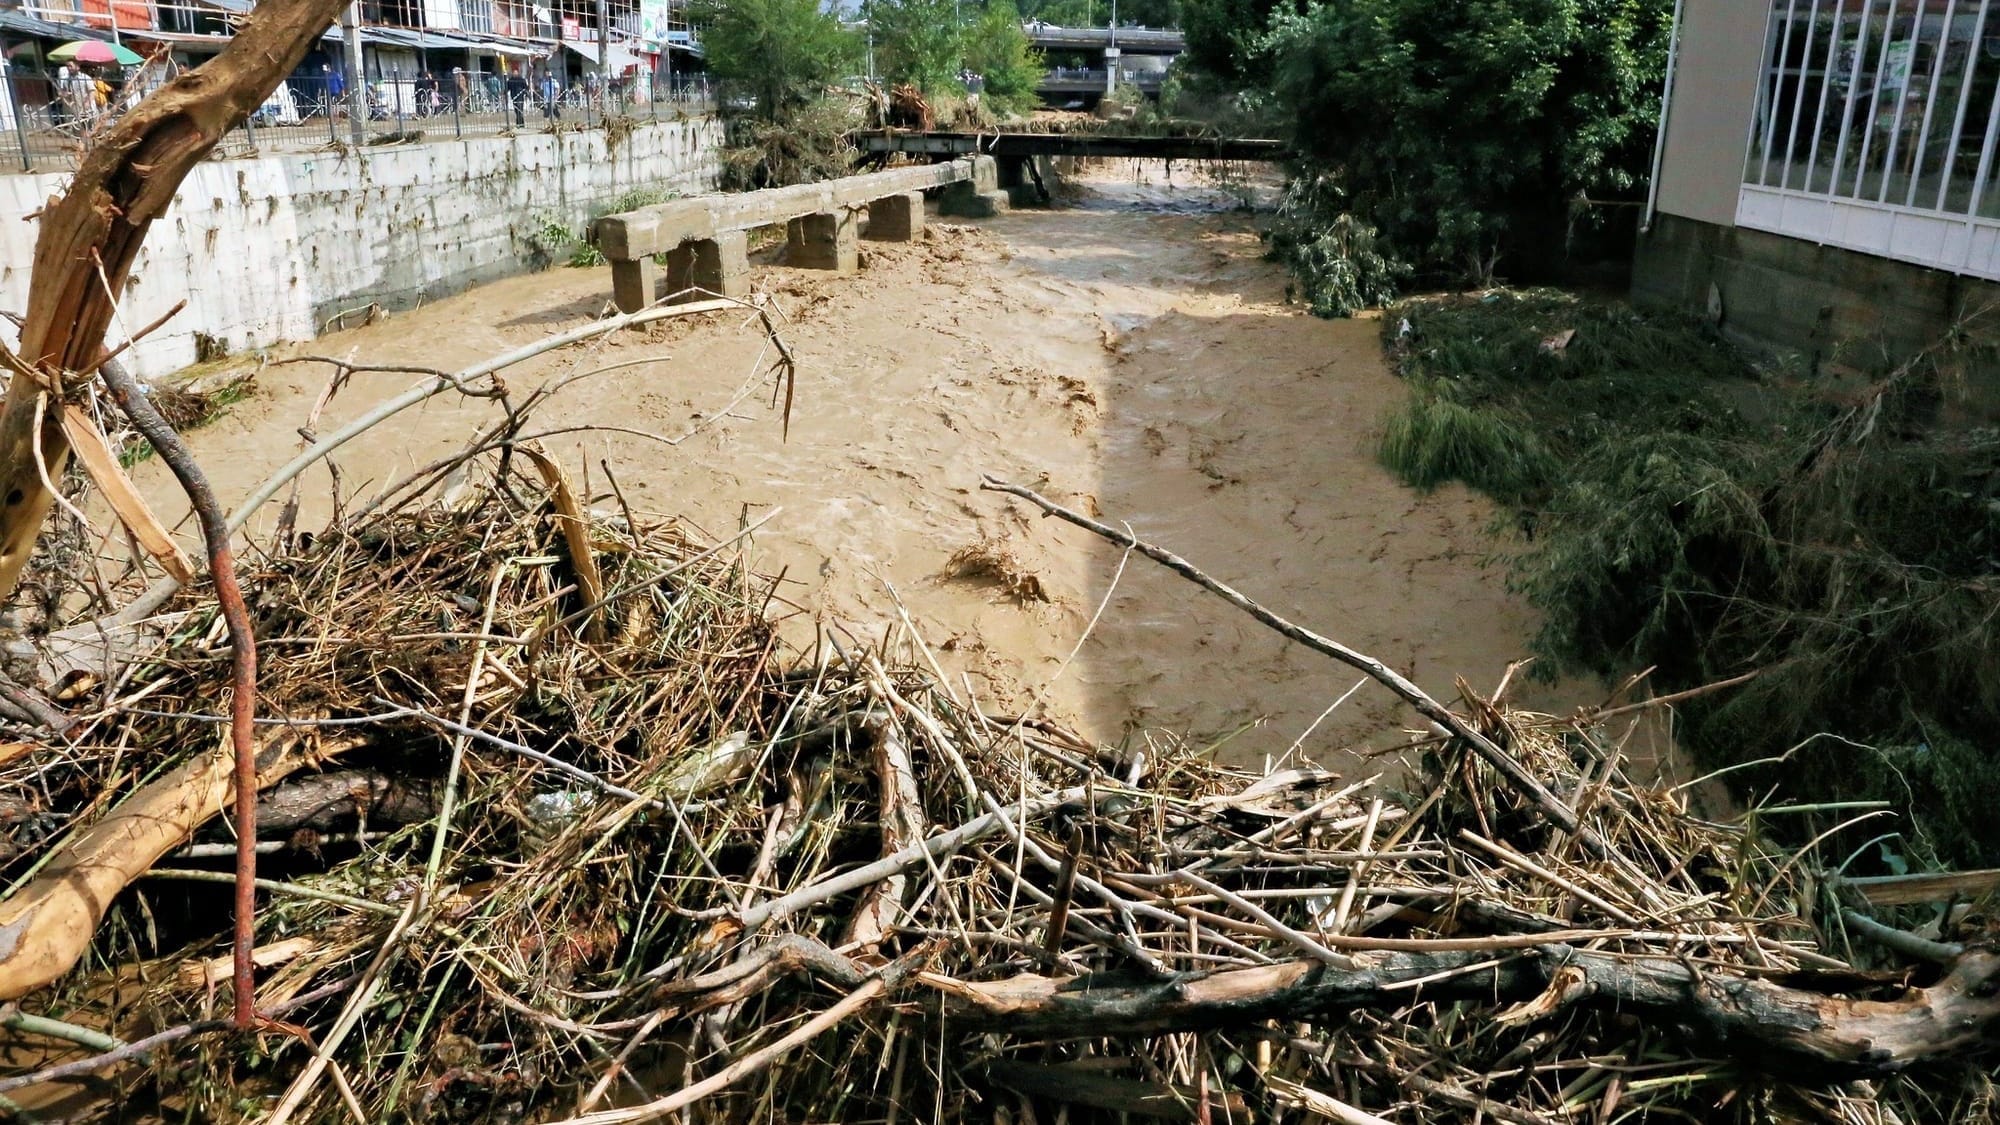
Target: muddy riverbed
point(1131, 355)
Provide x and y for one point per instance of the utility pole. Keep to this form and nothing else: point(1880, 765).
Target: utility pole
point(1111, 54)
point(603, 58)
point(357, 90)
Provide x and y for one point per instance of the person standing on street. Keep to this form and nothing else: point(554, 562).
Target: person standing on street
point(551, 98)
point(517, 96)
point(427, 94)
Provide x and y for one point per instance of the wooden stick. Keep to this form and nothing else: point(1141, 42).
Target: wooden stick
point(1799, 1033)
point(1503, 762)
point(123, 496)
point(126, 392)
point(742, 1068)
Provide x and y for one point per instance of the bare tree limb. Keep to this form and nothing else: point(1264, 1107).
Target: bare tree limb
point(1516, 774)
point(125, 390)
point(1777, 1028)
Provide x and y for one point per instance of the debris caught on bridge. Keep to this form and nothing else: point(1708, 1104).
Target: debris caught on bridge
point(663, 866)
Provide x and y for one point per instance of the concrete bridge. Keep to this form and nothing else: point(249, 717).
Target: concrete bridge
point(1021, 146)
point(1131, 40)
point(705, 240)
point(1094, 61)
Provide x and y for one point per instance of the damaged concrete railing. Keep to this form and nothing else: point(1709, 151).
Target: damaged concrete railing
point(705, 239)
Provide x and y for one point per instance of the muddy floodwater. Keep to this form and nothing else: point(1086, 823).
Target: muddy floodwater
point(1131, 355)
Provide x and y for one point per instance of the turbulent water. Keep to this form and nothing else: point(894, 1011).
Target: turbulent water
point(1130, 354)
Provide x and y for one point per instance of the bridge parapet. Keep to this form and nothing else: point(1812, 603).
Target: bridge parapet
point(703, 238)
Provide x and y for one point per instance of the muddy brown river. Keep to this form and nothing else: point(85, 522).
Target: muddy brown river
point(1131, 355)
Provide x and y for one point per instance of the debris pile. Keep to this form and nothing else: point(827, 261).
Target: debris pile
point(598, 850)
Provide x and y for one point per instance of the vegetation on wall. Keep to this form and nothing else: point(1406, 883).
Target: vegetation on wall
point(1684, 512)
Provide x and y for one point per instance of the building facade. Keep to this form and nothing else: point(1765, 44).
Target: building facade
point(1828, 176)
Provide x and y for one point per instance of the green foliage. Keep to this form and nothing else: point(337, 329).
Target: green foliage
point(1695, 518)
point(553, 235)
point(998, 50)
point(1464, 129)
point(1336, 259)
point(777, 54)
point(1432, 440)
point(1228, 39)
point(918, 41)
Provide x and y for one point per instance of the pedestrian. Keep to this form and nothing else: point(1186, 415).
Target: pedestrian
point(336, 89)
point(427, 94)
point(461, 88)
point(59, 104)
point(551, 98)
point(517, 96)
point(493, 87)
point(76, 89)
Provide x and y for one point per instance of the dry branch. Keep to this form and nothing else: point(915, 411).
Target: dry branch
point(1767, 1025)
point(48, 924)
point(1502, 762)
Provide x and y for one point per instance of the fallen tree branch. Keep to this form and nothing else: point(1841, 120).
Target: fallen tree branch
point(48, 924)
point(88, 637)
point(131, 398)
point(1779, 1029)
point(1502, 762)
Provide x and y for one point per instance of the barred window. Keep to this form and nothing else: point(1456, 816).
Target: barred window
point(1889, 102)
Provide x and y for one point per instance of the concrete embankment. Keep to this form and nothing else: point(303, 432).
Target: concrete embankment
point(266, 250)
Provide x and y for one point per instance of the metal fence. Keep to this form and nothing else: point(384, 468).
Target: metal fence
point(45, 121)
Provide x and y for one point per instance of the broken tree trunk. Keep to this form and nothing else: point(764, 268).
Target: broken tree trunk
point(91, 234)
point(1760, 1023)
point(49, 924)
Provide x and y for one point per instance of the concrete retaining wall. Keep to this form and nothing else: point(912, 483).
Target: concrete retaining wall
point(267, 250)
point(1867, 312)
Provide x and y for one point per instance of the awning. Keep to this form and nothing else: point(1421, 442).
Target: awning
point(509, 47)
point(181, 39)
point(619, 59)
point(368, 35)
point(21, 23)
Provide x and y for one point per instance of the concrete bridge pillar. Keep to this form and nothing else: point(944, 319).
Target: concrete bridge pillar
point(632, 282)
point(719, 265)
point(823, 241)
point(977, 198)
point(896, 218)
point(1029, 181)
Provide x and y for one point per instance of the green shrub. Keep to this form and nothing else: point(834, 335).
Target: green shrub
point(1432, 440)
point(1337, 264)
point(1685, 515)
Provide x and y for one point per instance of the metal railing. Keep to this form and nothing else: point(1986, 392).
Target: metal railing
point(45, 125)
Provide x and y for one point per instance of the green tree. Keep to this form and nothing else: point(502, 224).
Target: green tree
point(1226, 38)
point(918, 41)
point(998, 50)
point(779, 52)
point(1465, 130)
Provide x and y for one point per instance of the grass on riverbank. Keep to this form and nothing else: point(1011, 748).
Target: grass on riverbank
point(1686, 511)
